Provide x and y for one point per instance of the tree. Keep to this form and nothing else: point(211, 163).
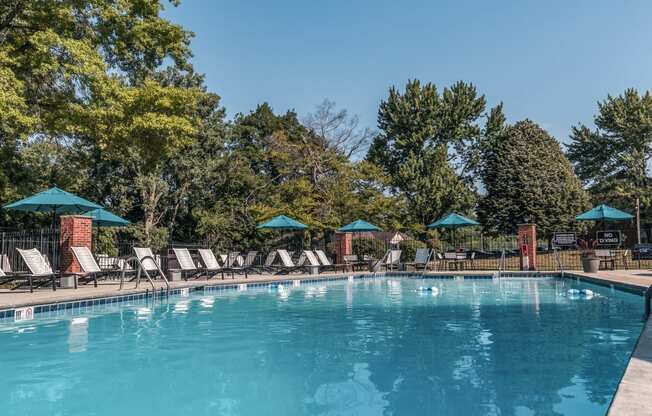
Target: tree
point(526, 176)
point(613, 159)
point(425, 145)
point(341, 130)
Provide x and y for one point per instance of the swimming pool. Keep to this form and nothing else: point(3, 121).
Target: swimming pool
point(366, 347)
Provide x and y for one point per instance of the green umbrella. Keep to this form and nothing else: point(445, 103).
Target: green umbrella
point(358, 226)
point(104, 218)
point(604, 213)
point(453, 221)
point(282, 222)
point(54, 200)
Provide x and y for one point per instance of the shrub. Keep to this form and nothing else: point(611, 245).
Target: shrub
point(409, 249)
point(368, 246)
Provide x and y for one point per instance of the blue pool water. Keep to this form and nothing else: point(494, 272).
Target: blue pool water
point(369, 347)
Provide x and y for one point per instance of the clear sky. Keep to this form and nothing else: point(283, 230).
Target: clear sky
point(549, 61)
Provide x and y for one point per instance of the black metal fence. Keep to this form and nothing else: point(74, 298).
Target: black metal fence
point(473, 252)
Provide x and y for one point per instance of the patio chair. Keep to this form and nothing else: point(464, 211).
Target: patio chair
point(327, 264)
point(211, 265)
point(268, 265)
point(187, 265)
point(287, 265)
point(352, 261)
point(389, 261)
point(421, 259)
point(90, 269)
point(40, 270)
point(237, 264)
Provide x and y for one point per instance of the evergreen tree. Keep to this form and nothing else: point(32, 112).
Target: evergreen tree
point(526, 176)
point(613, 159)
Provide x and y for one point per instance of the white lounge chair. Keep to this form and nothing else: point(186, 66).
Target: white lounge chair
point(39, 268)
point(88, 264)
point(327, 264)
point(211, 265)
point(287, 265)
point(186, 263)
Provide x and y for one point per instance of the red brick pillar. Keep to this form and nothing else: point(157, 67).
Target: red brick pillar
point(527, 243)
point(76, 231)
point(343, 246)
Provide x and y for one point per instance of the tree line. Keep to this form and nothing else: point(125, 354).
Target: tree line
point(100, 98)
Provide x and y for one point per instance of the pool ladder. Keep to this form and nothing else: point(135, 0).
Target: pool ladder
point(501, 263)
point(141, 269)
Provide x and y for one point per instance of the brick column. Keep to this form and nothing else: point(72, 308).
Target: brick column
point(343, 246)
point(76, 231)
point(527, 243)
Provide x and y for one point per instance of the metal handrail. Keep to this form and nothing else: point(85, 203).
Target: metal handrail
point(501, 263)
point(142, 269)
point(560, 265)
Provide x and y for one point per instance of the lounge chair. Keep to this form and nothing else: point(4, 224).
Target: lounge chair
point(90, 269)
point(326, 264)
point(287, 265)
point(211, 265)
point(39, 268)
point(187, 265)
point(268, 265)
point(421, 259)
point(390, 261)
point(235, 263)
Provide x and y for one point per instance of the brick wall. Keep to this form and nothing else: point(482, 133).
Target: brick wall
point(343, 246)
point(76, 231)
point(527, 241)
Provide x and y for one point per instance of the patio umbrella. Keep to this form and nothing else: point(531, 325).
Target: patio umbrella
point(54, 200)
point(604, 213)
point(104, 218)
point(357, 227)
point(283, 223)
point(453, 221)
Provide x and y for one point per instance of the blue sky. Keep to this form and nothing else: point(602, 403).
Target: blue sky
point(549, 61)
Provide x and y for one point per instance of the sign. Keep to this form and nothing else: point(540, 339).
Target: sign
point(564, 239)
point(24, 314)
point(608, 238)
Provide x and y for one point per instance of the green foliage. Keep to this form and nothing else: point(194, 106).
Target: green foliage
point(613, 158)
point(105, 242)
point(409, 249)
point(526, 176)
point(425, 139)
point(368, 247)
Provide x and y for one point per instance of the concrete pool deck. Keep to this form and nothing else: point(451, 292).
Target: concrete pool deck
point(633, 396)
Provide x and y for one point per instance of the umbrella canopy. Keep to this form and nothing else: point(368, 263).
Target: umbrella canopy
point(104, 218)
point(54, 200)
point(453, 221)
point(358, 226)
point(604, 213)
point(283, 223)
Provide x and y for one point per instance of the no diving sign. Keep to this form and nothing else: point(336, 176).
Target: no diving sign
point(608, 238)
